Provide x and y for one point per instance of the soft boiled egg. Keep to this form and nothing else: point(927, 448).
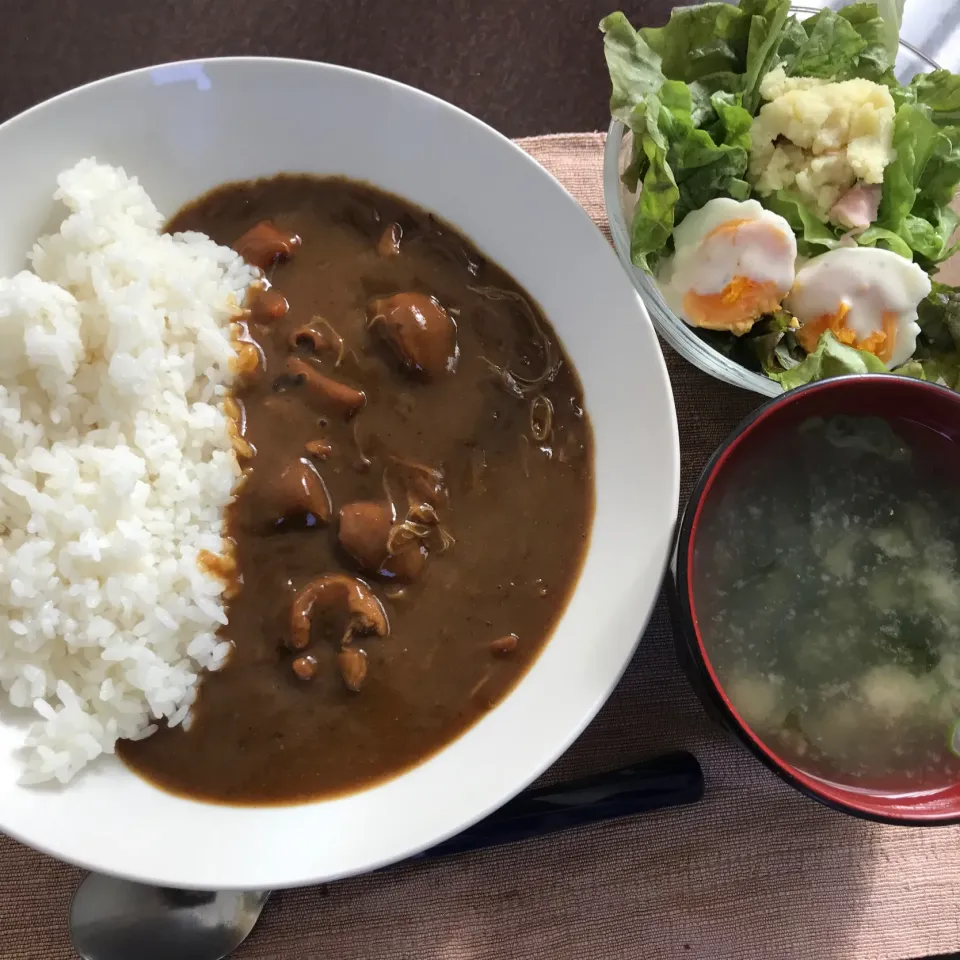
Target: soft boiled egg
point(866, 297)
point(734, 262)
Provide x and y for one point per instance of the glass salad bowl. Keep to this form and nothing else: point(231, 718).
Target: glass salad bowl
point(619, 203)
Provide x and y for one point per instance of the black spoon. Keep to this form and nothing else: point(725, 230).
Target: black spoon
point(112, 919)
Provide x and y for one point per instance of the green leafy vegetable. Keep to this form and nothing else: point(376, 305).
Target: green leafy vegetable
point(702, 92)
point(772, 343)
point(939, 318)
point(691, 133)
point(634, 68)
point(793, 39)
point(813, 235)
point(877, 58)
point(762, 8)
point(918, 186)
point(653, 219)
point(886, 239)
point(763, 43)
point(944, 370)
point(912, 368)
point(891, 13)
point(830, 359)
point(840, 45)
point(701, 40)
point(938, 346)
point(680, 166)
point(704, 168)
point(832, 48)
point(939, 90)
point(768, 345)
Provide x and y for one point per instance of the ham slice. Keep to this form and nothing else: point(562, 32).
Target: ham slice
point(857, 208)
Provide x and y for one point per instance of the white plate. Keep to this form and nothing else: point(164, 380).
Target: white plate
point(184, 128)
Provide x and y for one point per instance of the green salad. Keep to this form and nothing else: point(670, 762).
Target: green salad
point(793, 199)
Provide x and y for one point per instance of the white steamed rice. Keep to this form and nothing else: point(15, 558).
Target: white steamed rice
point(115, 468)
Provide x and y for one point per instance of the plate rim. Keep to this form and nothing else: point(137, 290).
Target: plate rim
point(659, 557)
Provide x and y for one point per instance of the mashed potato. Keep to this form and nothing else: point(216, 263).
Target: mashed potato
point(820, 138)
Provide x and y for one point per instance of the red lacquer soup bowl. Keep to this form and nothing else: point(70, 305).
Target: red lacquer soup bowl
point(934, 412)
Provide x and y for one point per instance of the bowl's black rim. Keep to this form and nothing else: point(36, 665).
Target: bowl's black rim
point(687, 640)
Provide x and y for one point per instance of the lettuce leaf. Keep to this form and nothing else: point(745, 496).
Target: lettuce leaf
point(721, 45)
point(691, 133)
point(634, 68)
point(913, 368)
point(705, 167)
point(813, 235)
point(702, 92)
point(939, 318)
point(680, 166)
point(770, 343)
point(760, 348)
point(702, 40)
point(918, 186)
point(878, 57)
point(763, 46)
point(793, 39)
point(762, 8)
point(831, 49)
point(939, 90)
point(830, 359)
point(886, 239)
point(937, 357)
point(653, 218)
point(839, 45)
point(891, 13)
point(943, 369)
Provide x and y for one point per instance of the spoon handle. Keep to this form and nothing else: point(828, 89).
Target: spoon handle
point(666, 781)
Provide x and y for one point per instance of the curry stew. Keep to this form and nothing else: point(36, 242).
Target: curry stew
point(417, 497)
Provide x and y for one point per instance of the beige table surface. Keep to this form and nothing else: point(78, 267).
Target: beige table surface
point(753, 871)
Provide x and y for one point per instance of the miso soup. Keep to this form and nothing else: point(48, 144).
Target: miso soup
point(826, 586)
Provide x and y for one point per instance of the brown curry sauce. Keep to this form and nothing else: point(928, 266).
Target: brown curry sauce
point(491, 470)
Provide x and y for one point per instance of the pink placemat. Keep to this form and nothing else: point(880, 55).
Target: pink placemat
point(753, 872)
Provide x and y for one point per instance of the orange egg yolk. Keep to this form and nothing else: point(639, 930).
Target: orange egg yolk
point(880, 343)
point(736, 308)
point(742, 301)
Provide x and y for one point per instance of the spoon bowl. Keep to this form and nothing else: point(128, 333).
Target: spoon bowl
point(112, 918)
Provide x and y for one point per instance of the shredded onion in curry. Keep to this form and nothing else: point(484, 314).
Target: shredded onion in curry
point(541, 418)
point(364, 459)
point(512, 382)
point(337, 339)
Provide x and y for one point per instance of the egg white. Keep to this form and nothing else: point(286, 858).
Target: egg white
point(868, 292)
point(757, 246)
